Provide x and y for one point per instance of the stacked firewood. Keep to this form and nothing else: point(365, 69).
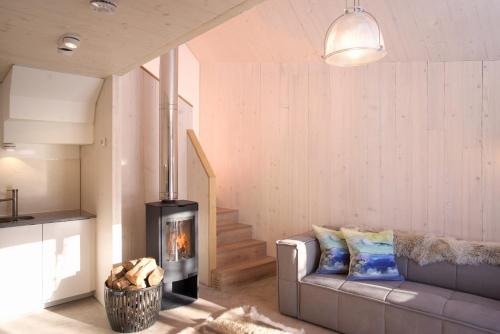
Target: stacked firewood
point(135, 274)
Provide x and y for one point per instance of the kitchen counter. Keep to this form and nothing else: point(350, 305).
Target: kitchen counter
point(50, 217)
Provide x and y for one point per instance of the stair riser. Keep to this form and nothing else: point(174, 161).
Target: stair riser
point(222, 280)
point(227, 218)
point(226, 237)
point(241, 255)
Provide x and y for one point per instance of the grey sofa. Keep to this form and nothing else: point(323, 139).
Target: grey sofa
point(434, 299)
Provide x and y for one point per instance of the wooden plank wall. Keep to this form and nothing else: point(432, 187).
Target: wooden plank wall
point(139, 160)
point(100, 183)
point(412, 146)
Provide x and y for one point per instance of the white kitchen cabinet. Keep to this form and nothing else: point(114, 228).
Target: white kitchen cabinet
point(21, 273)
point(68, 259)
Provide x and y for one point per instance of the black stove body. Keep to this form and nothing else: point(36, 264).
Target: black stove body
point(172, 239)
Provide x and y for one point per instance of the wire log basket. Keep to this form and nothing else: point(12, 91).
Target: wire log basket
point(132, 311)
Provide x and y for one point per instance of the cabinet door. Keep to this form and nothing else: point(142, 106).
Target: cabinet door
point(68, 259)
point(21, 273)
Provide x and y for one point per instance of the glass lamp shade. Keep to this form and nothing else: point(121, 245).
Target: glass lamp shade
point(354, 39)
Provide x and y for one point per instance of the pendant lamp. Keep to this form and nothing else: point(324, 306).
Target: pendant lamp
point(354, 38)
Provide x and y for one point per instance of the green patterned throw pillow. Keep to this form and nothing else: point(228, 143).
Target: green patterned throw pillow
point(372, 255)
point(334, 252)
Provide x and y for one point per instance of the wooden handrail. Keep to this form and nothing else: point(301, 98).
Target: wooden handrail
point(212, 207)
point(201, 154)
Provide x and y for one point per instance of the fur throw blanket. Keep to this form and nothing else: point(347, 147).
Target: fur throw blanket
point(241, 320)
point(426, 249)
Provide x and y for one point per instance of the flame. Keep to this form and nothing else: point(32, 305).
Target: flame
point(182, 242)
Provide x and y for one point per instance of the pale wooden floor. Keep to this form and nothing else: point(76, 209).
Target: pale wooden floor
point(88, 316)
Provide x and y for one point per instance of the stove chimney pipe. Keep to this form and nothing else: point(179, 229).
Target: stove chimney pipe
point(168, 125)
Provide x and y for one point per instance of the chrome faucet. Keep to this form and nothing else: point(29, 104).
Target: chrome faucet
point(14, 200)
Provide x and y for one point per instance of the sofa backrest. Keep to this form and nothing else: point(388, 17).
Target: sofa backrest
point(482, 280)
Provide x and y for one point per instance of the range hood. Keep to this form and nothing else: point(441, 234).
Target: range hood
point(45, 107)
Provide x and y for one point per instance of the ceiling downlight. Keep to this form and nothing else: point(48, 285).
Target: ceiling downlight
point(68, 43)
point(104, 6)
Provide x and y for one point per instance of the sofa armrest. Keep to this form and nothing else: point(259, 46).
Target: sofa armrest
point(297, 257)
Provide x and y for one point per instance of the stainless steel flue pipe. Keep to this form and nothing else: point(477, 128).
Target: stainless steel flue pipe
point(169, 65)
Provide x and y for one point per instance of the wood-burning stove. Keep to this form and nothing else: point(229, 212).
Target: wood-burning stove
point(171, 238)
point(171, 225)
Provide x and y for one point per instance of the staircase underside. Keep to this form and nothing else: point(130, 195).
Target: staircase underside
point(239, 257)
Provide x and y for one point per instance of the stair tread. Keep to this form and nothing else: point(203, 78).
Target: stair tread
point(240, 244)
point(232, 227)
point(246, 265)
point(225, 210)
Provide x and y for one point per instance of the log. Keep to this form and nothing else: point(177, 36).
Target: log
point(109, 281)
point(130, 264)
point(121, 283)
point(137, 266)
point(156, 276)
point(132, 287)
point(116, 273)
point(141, 270)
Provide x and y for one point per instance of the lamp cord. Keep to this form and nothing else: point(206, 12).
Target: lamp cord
point(354, 3)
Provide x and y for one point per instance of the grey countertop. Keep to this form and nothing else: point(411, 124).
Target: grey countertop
point(50, 217)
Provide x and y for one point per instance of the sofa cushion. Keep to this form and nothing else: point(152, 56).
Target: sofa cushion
point(319, 304)
point(441, 274)
point(403, 321)
point(422, 297)
point(359, 315)
point(482, 280)
point(334, 252)
point(328, 281)
point(402, 263)
point(476, 310)
point(450, 327)
point(371, 289)
point(372, 255)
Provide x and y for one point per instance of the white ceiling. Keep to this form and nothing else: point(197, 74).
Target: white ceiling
point(293, 30)
point(139, 31)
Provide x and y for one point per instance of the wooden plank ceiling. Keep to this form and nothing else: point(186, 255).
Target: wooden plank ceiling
point(293, 30)
point(139, 31)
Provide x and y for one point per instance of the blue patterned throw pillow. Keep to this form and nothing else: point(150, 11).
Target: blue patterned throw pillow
point(334, 252)
point(372, 255)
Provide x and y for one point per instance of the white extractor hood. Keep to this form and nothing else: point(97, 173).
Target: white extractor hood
point(45, 107)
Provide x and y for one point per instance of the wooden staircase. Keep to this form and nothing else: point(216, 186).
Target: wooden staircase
point(239, 257)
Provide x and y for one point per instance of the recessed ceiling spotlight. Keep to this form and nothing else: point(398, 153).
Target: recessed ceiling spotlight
point(68, 43)
point(104, 6)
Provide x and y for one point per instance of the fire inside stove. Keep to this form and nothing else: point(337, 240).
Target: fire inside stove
point(180, 240)
point(182, 243)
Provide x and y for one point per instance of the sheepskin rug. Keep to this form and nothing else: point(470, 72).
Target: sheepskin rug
point(426, 248)
point(241, 320)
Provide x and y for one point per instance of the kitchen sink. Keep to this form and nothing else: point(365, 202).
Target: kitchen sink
point(13, 219)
